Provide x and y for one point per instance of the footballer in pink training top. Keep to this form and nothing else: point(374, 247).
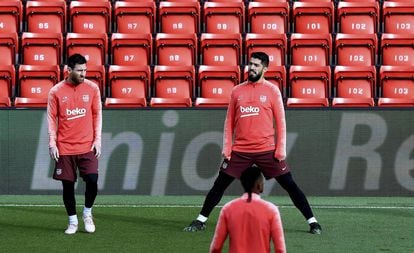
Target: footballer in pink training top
point(74, 114)
point(250, 138)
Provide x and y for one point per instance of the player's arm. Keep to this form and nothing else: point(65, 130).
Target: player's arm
point(279, 116)
point(277, 234)
point(228, 129)
point(97, 122)
point(52, 122)
point(220, 234)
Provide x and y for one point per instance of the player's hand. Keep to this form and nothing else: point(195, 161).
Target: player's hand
point(279, 157)
point(97, 150)
point(54, 153)
point(226, 157)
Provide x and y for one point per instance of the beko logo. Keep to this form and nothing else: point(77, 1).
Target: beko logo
point(250, 110)
point(76, 113)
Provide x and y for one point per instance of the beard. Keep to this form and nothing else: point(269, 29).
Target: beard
point(254, 78)
point(78, 80)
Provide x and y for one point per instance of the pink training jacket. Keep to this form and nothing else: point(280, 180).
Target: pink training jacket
point(252, 111)
point(250, 226)
point(74, 116)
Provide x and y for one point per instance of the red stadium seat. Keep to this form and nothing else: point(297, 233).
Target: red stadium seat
point(310, 49)
point(358, 17)
point(92, 46)
point(309, 86)
point(268, 17)
point(34, 83)
point(275, 75)
point(11, 14)
point(275, 45)
point(216, 84)
point(176, 49)
point(7, 84)
point(42, 48)
point(313, 17)
point(354, 86)
point(224, 17)
point(220, 49)
point(46, 16)
point(128, 86)
point(95, 73)
point(9, 47)
point(90, 16)
point(398, 17)
point(179, 17)
point(356, 49)
point(397, 49)
point(135, 16)
point(173, 86)
point(131, 49)
point(396, 86)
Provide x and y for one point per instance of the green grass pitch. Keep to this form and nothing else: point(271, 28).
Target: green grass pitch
point(154, 224)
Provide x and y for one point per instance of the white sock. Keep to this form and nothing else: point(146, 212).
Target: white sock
point(312, 220)
point(87, 211)
point(73, 219)
point(202, 218)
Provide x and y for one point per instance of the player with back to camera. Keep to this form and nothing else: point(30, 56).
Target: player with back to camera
point(250, 222)
point(74, 113)
point(249, 138)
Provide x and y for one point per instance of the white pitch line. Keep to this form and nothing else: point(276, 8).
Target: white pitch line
point(199, 206)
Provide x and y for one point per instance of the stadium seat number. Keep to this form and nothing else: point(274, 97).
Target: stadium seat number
point(36, 90)
point(132, 26)
point(217, 90)
point(359, 58)
point(401, 91)
point(355, 91)
point(2, 25)
point(172, 90)
point(308, 91)
point(43, 25)
point(178, 26)
point(358, 26)
point(310, 58)
point(129, 57)
point(403, 26)
point(313, 26)
point(174, 57)
point(270, 26)
point(39, 57)
point(88, 26)
point(222, 26)
point(401, 58)
point(219, 58)
point(126, 90)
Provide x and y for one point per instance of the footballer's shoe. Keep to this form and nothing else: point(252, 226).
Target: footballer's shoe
point(72, 229)
point(89, 225)
point(195, 226)
point(315, 228)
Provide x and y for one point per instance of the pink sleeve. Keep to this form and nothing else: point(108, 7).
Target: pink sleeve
point(220, 234)
point(52, 119)
point(228, 129)
point(277, 234)
point(279, 115)
point(97, 117)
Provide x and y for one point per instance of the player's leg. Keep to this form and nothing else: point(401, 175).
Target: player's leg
point(88, 168)
point(65, 171)
point(213, 197)
point(299, 200)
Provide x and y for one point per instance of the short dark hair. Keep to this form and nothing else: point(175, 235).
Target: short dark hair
point(248, 179)
point(261, 56)
point(76, 59)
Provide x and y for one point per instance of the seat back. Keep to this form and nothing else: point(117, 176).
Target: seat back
point(174, 81)
point(397, 49)
point(7, 81)
point(217, 81)
point(311, 49)
point(36, 81)
point(176, 49)
point(268, 17)
point(179, 17)
point(398, 17)
point(358, 17)
point(90, 16)
point(309, 81)
point(41, 48)
point(135, 17)
point(224, 17)
point(46, 16)
point(131, 49)
point(220, 49)
point(356, 49)
point(129, 81)
point(9, 47)
point(92, 46)
point(11, 13)
point(354, 81)
point(397, 82)
point(313, 17)
point(274, 45)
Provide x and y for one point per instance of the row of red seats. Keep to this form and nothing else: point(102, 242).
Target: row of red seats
point(176, 86)
point(188, 16)
point(209, 49)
